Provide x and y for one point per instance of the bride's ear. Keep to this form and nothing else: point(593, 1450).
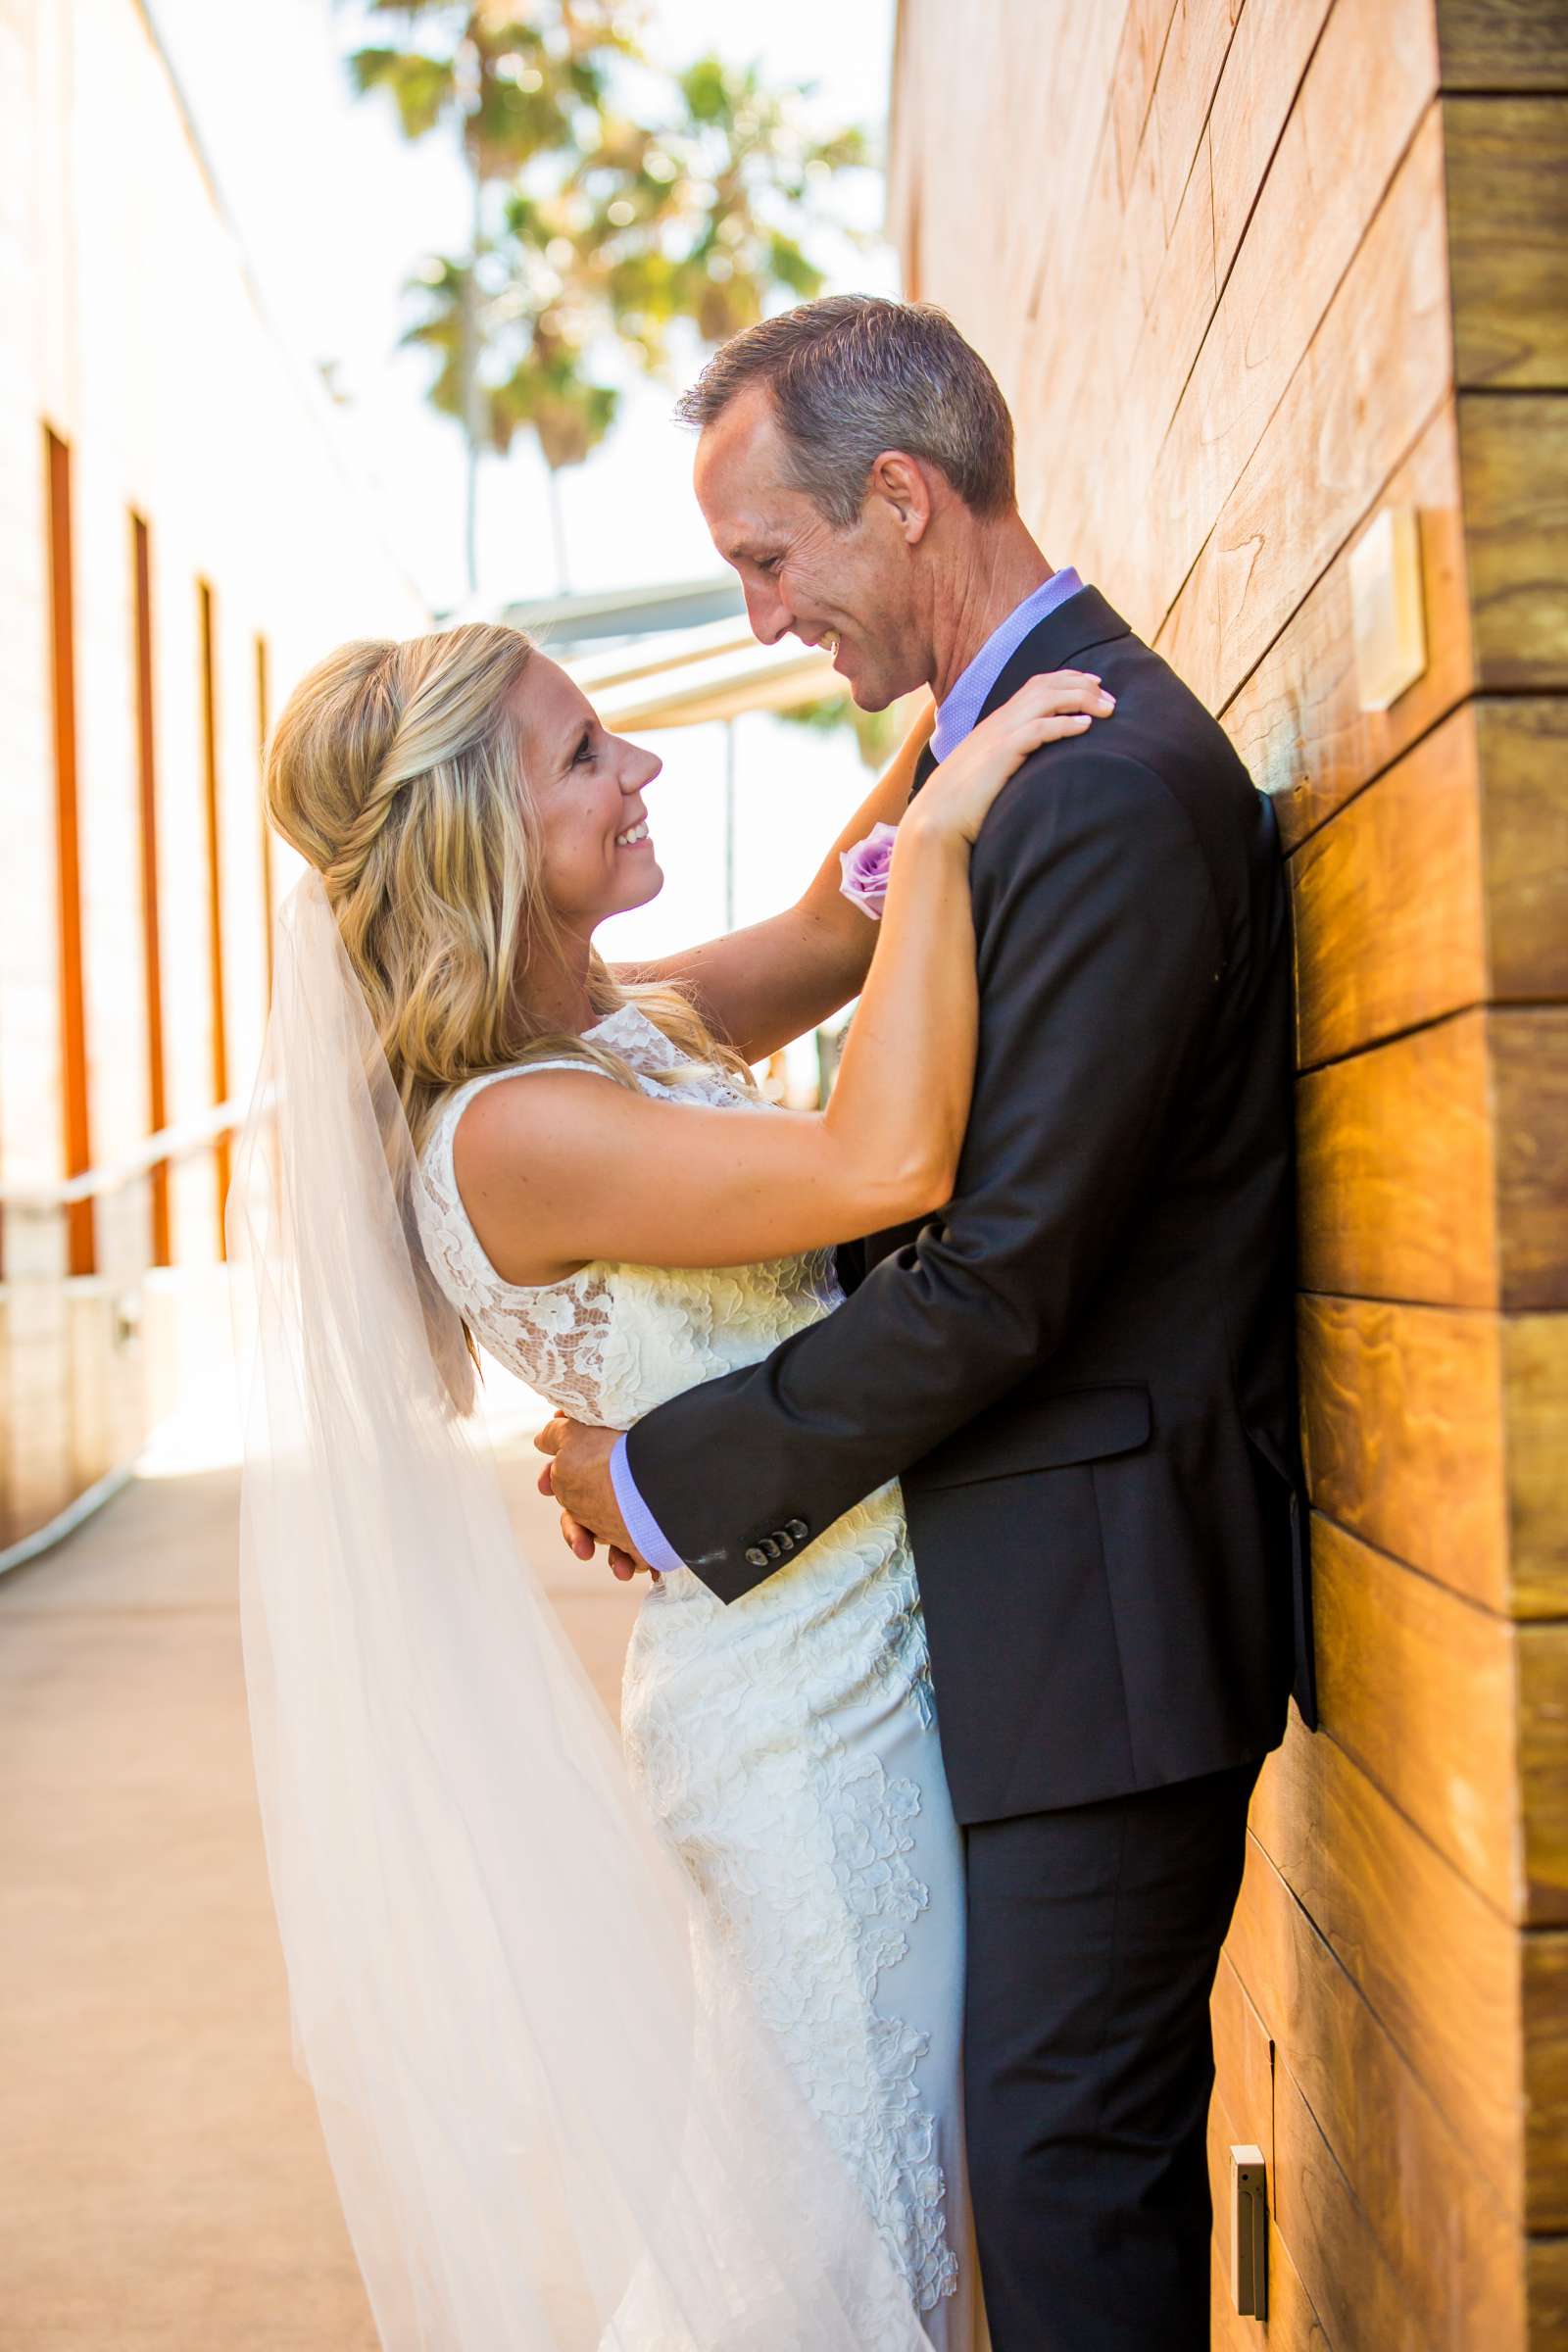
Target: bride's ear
point(903, 485)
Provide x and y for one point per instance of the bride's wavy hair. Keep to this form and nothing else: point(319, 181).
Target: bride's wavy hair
point(397, 769)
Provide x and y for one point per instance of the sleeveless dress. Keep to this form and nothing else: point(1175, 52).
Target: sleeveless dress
point(786, 1744)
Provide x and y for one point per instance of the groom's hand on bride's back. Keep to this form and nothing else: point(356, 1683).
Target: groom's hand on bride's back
point(578, 1476)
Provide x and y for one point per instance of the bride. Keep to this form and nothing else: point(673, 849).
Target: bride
point(662, 2058)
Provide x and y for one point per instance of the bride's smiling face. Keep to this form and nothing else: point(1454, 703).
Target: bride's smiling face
point(586, 788)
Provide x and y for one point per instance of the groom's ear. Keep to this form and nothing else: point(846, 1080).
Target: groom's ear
point(904, 486)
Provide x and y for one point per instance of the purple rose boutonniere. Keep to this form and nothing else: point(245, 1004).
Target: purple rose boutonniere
point(865, 870)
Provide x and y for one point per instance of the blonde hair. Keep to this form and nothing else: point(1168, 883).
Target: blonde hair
point(397, 770)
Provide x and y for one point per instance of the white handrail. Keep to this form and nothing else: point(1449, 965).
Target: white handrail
point(66, 1522)
point(194, 1134)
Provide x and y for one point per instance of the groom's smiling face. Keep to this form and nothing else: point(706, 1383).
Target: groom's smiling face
point(857, 589)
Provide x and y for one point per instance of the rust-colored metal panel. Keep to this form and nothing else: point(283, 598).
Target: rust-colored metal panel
point(80, 1243)
point(147, 801)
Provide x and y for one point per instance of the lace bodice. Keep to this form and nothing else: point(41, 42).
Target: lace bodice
point(611, 1341)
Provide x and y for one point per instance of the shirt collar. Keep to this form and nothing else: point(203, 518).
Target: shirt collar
point(962, 706)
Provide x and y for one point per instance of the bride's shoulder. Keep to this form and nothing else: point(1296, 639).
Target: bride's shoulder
point(535, 1112)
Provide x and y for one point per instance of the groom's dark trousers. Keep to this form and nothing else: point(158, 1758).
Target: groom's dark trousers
point(1084, 1372)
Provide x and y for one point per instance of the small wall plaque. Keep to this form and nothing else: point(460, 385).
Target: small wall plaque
point(1388, 607)
point(1249, 2233)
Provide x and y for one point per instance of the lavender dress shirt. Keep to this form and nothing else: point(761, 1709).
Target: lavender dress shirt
point(957, 717)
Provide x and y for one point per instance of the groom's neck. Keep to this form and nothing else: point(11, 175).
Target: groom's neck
point(994, 570)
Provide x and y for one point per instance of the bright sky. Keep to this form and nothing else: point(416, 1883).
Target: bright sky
point(334, 209)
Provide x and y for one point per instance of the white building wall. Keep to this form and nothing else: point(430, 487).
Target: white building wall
point(127, 324)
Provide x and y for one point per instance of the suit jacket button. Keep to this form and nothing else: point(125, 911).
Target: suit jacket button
point(799, 1530)
point(770, 1548)
point(785, 1541)
point(756, 1556)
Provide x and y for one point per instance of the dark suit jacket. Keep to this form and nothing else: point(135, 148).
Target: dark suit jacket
point(1084, 1368)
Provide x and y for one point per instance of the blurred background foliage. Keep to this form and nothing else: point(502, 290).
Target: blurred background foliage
point(614, 201)
point(877, 733)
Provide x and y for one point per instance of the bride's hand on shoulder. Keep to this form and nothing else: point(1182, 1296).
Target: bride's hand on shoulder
point(957, 797)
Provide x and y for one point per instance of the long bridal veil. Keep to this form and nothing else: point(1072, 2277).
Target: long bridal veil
point(554, 2123)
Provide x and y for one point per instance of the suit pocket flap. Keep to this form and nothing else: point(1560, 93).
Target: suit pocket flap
point(1039, 1432)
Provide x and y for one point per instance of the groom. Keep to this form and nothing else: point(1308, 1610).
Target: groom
point(1083, 1370)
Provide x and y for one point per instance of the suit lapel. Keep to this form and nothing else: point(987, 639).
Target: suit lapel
point(1060, 641)
point(1084, 622)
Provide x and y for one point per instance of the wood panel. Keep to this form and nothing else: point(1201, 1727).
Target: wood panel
point(1258, 79)
point(1132, 83)
point(1542, 1665)
point(1433, 1169)
point(1437, 1965)
point(1523, 751)
point(1110, 390)
point(1503, 44)
point(1388, 904)
point(1042, 92)
point(1530, 1084)
point(1269, 53)
point(1245, 2058)
point(1362, 2304)
point(1041, 234)
point(1508, 240)
point(1442, 885)
point(1105, 273)
point(1376, 371)
point(1449, 2240)
point(1455, 1714)
point(1547, 2279)
point(1417, 1687)
point(1242, 2115)
point(1292, 2323)
point(1396, 1171)
point(1241, 339)
point(1196, 50)
point(1308, 229)
point(1514, 459)
point(1176, 318)
point(1403, 1409)
point(1545, 2072)
point(1297, 722)
point(1534, 1366)
point(1442, 1436)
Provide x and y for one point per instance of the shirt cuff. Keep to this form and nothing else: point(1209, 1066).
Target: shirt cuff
point(641, 1525)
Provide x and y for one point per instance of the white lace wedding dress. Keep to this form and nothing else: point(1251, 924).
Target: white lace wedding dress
point(787, 1742)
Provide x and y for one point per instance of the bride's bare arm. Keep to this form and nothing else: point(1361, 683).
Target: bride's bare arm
point(564, 1167)
point(778, 979)
point(775, 980)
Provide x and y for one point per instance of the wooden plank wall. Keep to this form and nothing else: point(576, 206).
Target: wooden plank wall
point(1250, 270)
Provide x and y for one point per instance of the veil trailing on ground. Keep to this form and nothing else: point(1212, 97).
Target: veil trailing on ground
point(555, 2124)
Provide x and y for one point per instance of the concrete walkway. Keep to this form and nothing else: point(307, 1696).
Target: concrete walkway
point(163, 2182)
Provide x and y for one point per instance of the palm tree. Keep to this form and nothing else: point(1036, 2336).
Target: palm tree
point(749, 169)
point(589, 223)
point(511, 89)
point(516, 313)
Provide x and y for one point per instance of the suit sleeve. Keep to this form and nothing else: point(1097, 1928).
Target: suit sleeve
point(1099, 954)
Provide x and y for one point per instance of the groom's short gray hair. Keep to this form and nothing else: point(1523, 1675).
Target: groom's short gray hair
point(855, 375)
